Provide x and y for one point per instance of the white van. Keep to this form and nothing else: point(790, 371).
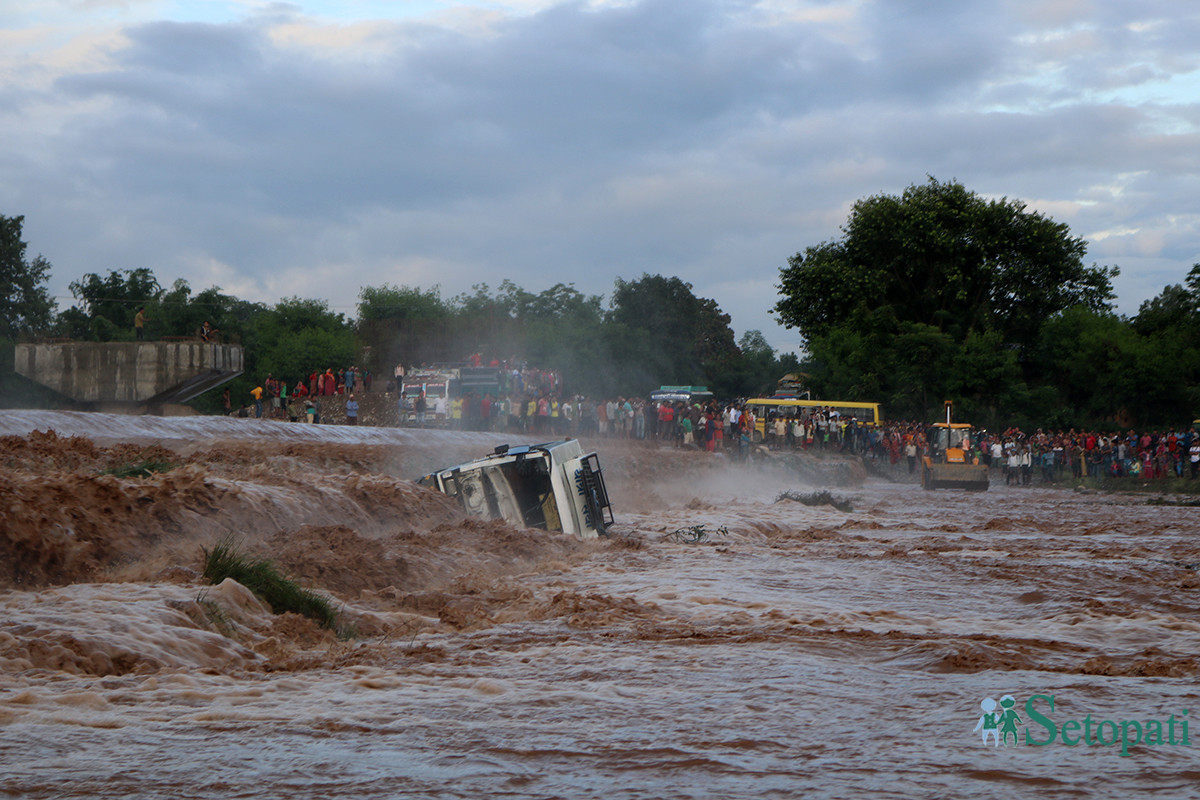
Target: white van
point(552, 486)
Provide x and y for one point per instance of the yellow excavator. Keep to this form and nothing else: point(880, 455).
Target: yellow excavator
point(947, 463)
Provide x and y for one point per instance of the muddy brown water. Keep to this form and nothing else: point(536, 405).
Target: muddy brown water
point(797, 649)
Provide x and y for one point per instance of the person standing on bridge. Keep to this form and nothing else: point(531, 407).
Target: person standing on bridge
point(139, 323)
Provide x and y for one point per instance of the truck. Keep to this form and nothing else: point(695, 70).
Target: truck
point(442, 383)
point(439, 386)
point(481, 380)
point(947, 463)
point(553, 486)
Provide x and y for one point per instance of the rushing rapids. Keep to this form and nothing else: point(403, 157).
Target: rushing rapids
point(781, 648)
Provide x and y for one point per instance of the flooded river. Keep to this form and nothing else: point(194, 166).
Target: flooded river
point(796, 649)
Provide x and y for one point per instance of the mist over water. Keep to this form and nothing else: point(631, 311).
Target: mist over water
point(797, 648)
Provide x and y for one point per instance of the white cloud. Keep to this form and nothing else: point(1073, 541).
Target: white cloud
point(311, 149)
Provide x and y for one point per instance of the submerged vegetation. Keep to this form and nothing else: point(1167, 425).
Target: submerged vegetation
point(215, 616)
point(1164, 501)
point(261, 576)
point(822, 498)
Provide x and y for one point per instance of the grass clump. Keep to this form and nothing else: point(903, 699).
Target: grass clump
point(260, 576)
point(216, 616)
point(822, 498)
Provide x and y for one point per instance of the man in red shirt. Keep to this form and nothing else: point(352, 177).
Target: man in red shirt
point(666, 421)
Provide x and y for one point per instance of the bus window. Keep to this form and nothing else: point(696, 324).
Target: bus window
point(770, 408)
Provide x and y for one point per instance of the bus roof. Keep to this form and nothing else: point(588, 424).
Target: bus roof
point(687, 394)
point(795, 401)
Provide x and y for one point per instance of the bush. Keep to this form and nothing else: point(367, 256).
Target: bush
point(823, 498)
point(261, 577)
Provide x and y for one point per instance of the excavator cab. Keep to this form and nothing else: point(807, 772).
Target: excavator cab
point(948, 463)
point(952, 441)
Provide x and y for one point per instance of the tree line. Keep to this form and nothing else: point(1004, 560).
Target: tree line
point(939, 294)
point(653, 330)
point(935, 294)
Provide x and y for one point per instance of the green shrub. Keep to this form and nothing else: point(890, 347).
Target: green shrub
point(262, 577)
point(822, 498)
point(216, 616)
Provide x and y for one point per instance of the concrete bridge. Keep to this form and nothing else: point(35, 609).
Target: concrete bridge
point(115, 374)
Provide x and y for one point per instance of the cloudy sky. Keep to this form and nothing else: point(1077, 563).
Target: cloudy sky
point(310, 149)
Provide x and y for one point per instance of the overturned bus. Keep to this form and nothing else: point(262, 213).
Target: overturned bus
point(552, 486)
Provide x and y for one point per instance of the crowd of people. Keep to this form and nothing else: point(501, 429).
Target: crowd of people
point(1050, 456)
point(529, 402)
point(279, 399)
point(296, 400)
point(711, 425)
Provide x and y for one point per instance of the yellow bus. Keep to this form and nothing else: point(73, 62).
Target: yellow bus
point(768, 408)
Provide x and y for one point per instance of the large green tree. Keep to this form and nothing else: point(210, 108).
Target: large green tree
point(404, 324)
point(288, 340)
point(26, 308)
point(757, 370)
point(935, 295)
point(25, 303)
point(401, 302)
point(107, 305)
point(673, 336)
point(563, 329)
point(1176, 308)
point(942, 256)
point(655, 331)
point(298, 336)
